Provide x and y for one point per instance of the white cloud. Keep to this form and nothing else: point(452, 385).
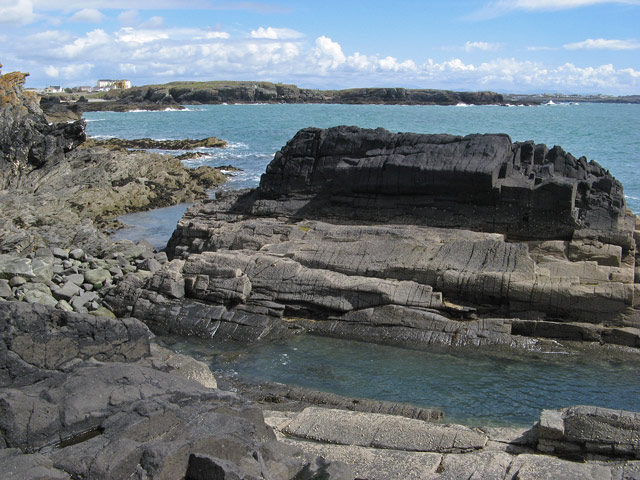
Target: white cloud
point(503, 7)
point(153, 22)
point(161, 55)
point(52, 71)
point(603, 44)
point(276, 33)
point(87, 44)
point(132, 36)
point(89, 15)
point(16, 12)
point(328, 53)
point(129, 18)
point(68, 71)
point(212, 35)
point(469, 46)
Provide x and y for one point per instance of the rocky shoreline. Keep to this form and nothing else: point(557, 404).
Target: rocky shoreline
point(87, 394)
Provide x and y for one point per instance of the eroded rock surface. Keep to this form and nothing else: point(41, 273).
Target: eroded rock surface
point(89, 397)
point(408, 239)
point(55, 194)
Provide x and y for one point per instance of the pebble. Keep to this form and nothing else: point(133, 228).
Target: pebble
point(76, 253)
point(17, 281)
point(5, 289)
point(60, 253)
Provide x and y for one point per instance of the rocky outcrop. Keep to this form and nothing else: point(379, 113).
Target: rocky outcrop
point(55, 190)
point(82, 397)
point(193, 93)
point(27, 140)
point(149, 143)
point(407, 239)
point(384, 446)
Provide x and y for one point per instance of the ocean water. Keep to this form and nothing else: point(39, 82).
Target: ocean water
point(473, 387)
point(607, 133)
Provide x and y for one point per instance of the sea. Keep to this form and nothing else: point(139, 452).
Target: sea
point(475, 387)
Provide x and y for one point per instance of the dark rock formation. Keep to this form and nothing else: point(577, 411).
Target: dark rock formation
point(487, 183)
point(406, 239)
point(190, 93)
point(27, 140)
point(81, 397)
point(53, 193)
point(149, 143)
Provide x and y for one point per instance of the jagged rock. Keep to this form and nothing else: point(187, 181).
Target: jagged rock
point(52, 191)
point(27, 141)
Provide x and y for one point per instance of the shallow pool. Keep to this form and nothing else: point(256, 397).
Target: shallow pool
point(490, 386)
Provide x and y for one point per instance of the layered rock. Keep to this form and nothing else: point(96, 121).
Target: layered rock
point(383, 446)
point(82, 397)
point(405, 238)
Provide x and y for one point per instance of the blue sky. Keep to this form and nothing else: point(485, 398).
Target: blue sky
point(569, 46)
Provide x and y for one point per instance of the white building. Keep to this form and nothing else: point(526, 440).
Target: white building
point(105, 84)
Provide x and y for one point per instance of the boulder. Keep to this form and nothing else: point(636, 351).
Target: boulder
point(584, 430)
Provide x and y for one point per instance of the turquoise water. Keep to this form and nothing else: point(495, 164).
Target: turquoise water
point(475, 386)
point(606, 133)
point(472, 386)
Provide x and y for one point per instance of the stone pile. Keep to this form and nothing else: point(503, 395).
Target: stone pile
point(72, 280)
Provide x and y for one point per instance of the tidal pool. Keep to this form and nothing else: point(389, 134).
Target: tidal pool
point(488, 386)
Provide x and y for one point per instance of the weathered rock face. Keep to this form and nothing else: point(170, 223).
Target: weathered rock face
point(479, 182)
point(27, 141)
point(410, 239)
point(52, 191)
point(81, 397)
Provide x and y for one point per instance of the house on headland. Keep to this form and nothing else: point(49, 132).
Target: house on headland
point(105, 84)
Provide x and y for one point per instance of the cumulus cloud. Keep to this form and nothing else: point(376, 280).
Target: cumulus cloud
point(328, 53)
point(89, 15)
point(469, 46)
point(603, 44)
point(276, 33)
point(68, 71)
point(17, 12)
point(166, 54)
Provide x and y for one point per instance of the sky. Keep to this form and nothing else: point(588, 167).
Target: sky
point(508, 46)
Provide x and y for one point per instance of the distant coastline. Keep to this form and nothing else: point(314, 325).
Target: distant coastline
point(173, 95)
